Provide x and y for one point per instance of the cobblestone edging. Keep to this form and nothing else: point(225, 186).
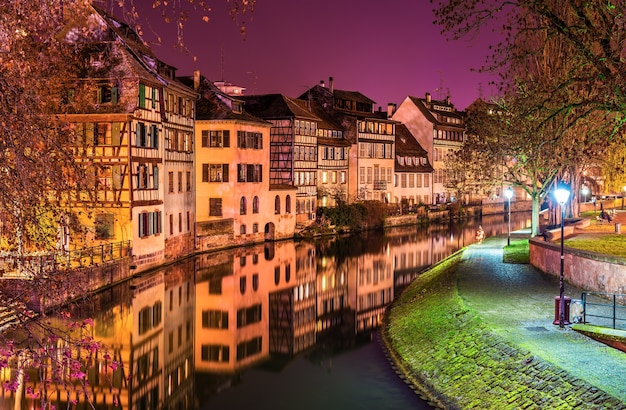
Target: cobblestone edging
point(467, 366)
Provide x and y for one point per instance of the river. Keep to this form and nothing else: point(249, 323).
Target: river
point(284, 325)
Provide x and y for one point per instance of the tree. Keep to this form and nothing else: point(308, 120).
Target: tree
point(559, 94)
point(588, 36)
point(42, 178)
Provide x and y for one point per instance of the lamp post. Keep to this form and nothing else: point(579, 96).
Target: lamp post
point(562, 195)
point(509, 194)
point(585, 191)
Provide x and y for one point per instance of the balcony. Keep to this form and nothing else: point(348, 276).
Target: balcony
point(380, 185)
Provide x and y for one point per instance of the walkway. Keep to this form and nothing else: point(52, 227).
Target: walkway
point(517, 302)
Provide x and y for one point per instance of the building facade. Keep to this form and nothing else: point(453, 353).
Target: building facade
point(235, 202)
point(133, 134)
point(412, 177)
point(439, 128)
point(293, 149)
point(372, 135)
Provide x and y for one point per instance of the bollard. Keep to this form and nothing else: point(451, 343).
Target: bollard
point(557, 310)
point(618, 227)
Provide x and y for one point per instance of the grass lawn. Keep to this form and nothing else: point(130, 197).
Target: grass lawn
point(517, 252)
point(609, 244)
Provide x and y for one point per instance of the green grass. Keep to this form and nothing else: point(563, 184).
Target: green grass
point(455, 360)
point(517, 252)
point(609, 244)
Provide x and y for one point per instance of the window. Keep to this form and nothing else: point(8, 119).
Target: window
point(149, 223)
point(248, 316)
point(180, 181)
point(170, 181)
point(188, 181)
point(343, 177)
point(219, 139)
point(242, 230)
point(243, 206)
point(215, 206)
point(215, 353)
point(277, 205)
point(214, 319)
point(288, 204)
point(255, 228)
point(252, 140)
point(107, 94)
point(104, 226)
point(171, 224)
point(214, 172)
point(249, 172)
point(255, 205)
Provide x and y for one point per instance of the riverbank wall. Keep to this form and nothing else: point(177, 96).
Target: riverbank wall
point(592, 271)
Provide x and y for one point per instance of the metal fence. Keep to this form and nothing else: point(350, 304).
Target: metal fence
point(604, 309)
point(12, 265)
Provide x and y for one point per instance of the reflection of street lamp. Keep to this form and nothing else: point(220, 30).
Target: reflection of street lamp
point(562, 195)
point(509, 194)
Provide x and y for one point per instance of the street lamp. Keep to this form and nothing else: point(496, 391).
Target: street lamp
point(509, 194)
point(562, 195)
point(585, 191)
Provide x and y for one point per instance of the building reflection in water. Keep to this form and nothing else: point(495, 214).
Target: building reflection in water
point(186, 331)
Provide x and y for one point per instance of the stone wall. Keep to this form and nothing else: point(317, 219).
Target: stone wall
point(589, 271)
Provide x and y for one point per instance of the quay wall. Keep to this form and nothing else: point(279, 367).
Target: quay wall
point(586, 270)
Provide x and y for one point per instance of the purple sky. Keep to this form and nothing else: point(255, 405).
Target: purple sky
point(384, 49)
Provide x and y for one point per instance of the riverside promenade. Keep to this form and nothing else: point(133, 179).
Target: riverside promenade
point(516, 302)
point(474, 332)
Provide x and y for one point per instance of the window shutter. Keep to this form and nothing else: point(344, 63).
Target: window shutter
point(225, 173)
point(205, 172)
point(142, 95)
point(226, 138)
point(114, 95)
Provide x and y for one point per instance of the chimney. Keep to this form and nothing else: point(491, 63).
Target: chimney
point(428, 97)
point(331, 84)
point(196, 80)
point(322, 84)
point(391, 109)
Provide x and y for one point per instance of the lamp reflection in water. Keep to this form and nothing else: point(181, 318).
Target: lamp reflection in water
point(562, 195)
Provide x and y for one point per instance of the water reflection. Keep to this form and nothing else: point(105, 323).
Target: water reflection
point(190, 334)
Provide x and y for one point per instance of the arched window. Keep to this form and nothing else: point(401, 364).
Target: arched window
point(288, 204)
point(255, 205)
point(243, 206)
point(277, 205)
point(242, 285)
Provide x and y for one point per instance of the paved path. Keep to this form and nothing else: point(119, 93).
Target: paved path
point(517, 302)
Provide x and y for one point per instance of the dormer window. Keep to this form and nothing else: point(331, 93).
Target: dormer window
point(237, 107)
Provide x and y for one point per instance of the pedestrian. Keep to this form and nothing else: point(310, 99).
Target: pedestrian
point(480, 234)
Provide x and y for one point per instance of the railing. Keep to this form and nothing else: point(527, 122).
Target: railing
point(380, 185)
point(13, 266)
point(605, 309)
point(95, 255)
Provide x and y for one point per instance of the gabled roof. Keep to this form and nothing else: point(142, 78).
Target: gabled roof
point(428, 108)
point(99, 26)
point(407, 146)
point(353, 96)
point(216, 105)
point(269, 106)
